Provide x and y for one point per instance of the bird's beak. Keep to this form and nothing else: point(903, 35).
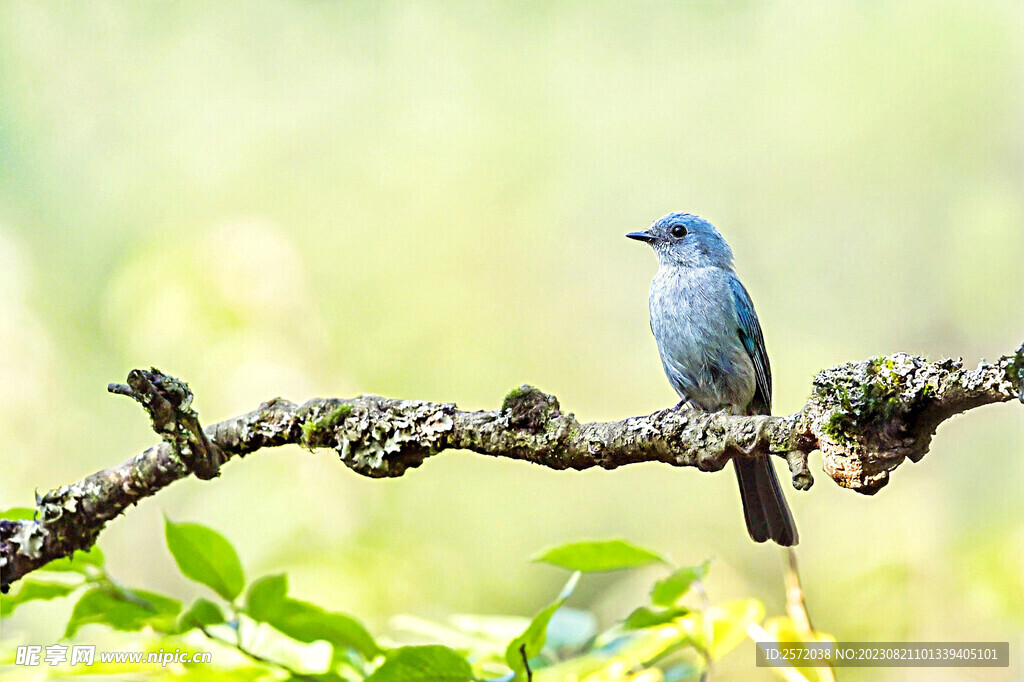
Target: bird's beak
point(642, 236)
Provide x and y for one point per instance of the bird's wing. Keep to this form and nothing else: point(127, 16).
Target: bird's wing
point(752, 339)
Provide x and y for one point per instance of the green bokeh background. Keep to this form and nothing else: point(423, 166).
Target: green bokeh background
point(428, 200)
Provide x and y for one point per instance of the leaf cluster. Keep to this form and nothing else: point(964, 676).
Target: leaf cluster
point(677, 635)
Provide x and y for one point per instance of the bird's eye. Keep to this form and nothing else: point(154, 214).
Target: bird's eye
point(678, 231)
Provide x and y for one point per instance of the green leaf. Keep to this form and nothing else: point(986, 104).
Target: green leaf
point(669, 590)
point(18, 514)
point(531, 642)
point(728, 621)
point(645, 617)
point(308, 623)
point(432, 663)
point(124, 609)
point(77, 563)
point(570, 629)
point(599, 555)
point(266, 597)
point(32, 590)
point(267, 601)
point(203, 612)
point(204, 556)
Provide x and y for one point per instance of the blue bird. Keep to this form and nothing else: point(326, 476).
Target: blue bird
point(713, 351)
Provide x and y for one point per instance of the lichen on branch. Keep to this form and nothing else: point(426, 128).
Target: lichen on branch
point(377, 437)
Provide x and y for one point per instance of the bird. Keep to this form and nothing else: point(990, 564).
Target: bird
point(713, 352)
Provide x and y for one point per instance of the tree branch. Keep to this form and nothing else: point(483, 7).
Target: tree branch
point(865, 417)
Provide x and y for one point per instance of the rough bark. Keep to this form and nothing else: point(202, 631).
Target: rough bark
point(865, 417)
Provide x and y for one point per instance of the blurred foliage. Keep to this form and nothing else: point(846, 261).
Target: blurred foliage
point(428, 200)
point(270, 628)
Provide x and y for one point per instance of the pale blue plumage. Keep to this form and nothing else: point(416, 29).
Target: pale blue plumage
point(712, 349)
point(694, 320)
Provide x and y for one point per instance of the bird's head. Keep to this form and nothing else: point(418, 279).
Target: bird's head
point(686, 240)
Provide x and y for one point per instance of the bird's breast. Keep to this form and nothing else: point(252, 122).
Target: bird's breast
point(694, 323)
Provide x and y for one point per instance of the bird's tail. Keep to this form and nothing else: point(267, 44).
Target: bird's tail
point(764, 506)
